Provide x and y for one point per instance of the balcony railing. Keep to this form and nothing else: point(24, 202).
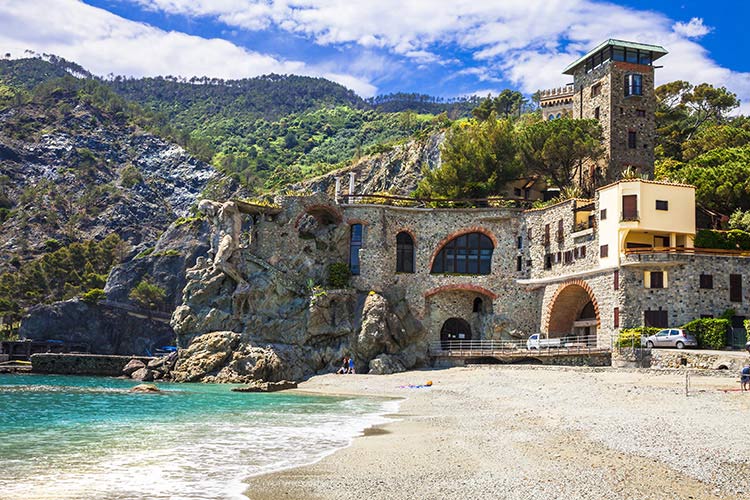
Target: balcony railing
point(630, 217)
point(686, 251)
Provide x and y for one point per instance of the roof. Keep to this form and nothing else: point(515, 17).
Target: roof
point(657, 51)
point(646, 181)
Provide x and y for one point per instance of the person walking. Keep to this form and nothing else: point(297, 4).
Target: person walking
point(745, 378)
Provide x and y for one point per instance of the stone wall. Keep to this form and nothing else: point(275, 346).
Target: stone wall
point(683, 299)
point(508, 307)
point(712, 360)
point(572, 241)
point(81, 364)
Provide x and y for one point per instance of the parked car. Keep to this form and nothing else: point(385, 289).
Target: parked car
point(671, 337)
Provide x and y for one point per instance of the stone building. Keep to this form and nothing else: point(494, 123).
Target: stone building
point(614, 84)
point(581, 268)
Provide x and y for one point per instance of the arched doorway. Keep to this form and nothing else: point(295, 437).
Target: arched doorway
point(573, 313)
point(455, 333)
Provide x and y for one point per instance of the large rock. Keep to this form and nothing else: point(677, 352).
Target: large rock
point(260, 386)
point(105, 329)
point(385, 364)
point(206, 354)
point(132, 366)
point(143, 375)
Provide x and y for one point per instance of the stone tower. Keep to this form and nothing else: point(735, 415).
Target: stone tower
point(613, 83)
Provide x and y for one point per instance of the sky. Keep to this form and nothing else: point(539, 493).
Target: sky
point(447, 48)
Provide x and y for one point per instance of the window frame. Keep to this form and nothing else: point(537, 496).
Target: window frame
point(460, 253)
point(403, 250)
point(662, 205)
point(355, 245)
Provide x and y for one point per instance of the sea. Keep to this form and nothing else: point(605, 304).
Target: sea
point(74, 437)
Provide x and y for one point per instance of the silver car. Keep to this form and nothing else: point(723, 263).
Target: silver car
point(672, 337)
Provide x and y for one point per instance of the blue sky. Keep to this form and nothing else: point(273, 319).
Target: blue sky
point(445, 48)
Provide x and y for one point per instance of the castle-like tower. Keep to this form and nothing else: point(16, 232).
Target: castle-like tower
point(613, 83)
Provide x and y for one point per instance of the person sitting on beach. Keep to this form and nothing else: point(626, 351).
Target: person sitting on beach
point(351, 366)
point(745, 378)
point(344, 366)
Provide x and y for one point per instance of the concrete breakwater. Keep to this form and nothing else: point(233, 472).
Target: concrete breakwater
point(82, 364)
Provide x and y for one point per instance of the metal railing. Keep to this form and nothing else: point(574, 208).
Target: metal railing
point(685, 250)
point(559, 345)
point(411, 202)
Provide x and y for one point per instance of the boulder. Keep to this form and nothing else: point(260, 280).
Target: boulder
point(261, 386)
point(145, 389)
point(385, 364)
point(132, 366)
point(143, 374)
point(206, 354)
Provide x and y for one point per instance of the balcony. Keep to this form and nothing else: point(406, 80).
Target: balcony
point(630, 217)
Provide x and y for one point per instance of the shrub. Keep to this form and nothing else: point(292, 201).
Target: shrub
point(148, 295)
point(710, 332)
point(338, 275)
point(93, 296)
point(631, 337)
point(734, 239)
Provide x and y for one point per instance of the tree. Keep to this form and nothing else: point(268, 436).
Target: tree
point(478, 159)
point(682, 109)
point(556, 148)
point(507, 103)
point(148, 295)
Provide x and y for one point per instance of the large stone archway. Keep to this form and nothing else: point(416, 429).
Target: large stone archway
point(455, 332)
point(573, 311)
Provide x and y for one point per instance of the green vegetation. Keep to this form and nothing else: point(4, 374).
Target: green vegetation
point(478, 159)
point(62, 274)
point(93, 296)
point(710, 332)
point(631, 337)
point(338, 275)
point(148, 295)
point(734, 239)
point(699, 143)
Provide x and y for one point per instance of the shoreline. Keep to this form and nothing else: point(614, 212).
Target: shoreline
point(531, 432)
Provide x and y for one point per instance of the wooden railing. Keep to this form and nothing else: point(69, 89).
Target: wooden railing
point(687, 251)
point(408, 201)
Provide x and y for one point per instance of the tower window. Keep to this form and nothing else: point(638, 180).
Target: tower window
point(706, 281)
point(640, 113)
point(596, 112)
point(632, 138)
point(633, 85)
point(596, 89)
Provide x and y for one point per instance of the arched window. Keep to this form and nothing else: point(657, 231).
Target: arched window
point(466, 254)
point(404, 253)
point(355, 243)
point(477, 305)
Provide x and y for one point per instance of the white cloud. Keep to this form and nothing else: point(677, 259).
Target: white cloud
point(105, 43)
point(692, 29)
point(526, 42)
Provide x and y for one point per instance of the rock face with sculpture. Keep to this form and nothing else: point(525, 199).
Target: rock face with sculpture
point(259, 306)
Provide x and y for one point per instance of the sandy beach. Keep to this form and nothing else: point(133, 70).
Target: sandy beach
point(535, 432)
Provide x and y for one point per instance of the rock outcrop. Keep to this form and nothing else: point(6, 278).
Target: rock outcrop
point(396, 171)
point(260, 386)
point(263, 312)
point(105, 329)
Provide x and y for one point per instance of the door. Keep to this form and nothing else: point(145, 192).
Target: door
point(455, 334)
point(662, 338)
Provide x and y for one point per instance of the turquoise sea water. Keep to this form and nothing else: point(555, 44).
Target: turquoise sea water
point(65, 437)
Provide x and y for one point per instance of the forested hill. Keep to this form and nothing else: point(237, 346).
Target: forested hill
point(269, 97)
point(265, 132)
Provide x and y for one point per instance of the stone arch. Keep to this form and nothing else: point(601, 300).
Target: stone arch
point(324, 215)
point(569, 300)
point(461, 232)
point(463, 287)
point(454, 332)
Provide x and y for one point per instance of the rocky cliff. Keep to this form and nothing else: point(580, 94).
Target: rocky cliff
point(258, 306)
point(73, 171)
point(396, 171)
